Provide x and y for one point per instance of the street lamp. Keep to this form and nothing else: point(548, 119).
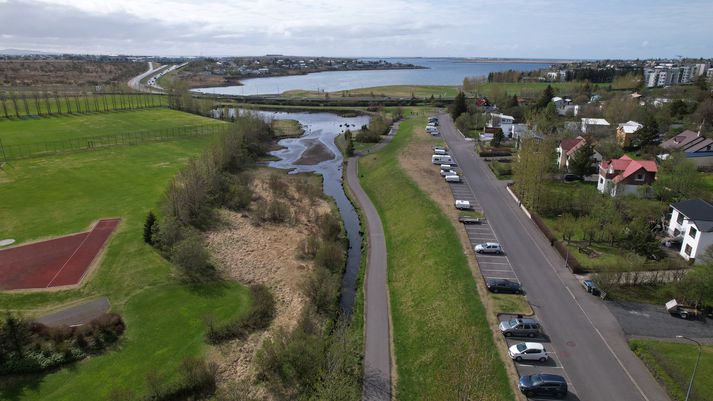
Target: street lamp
point(698, 359)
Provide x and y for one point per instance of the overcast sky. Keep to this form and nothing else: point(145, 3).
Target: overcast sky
point(381, 28)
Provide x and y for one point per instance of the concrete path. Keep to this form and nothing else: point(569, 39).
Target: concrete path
point(377, 321)
point(77, 315)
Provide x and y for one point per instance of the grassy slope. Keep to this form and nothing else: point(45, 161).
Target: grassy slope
point(672, 364)
point(440, 331)
point(60, 195)
point(14, 132)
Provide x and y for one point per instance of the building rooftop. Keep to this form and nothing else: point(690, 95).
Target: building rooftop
point(595, 121)
point(698, 210)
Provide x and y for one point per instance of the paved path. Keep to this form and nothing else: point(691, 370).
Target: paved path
point(135, 82)
point(78, 314)
point(586, 337)
point(377, 327)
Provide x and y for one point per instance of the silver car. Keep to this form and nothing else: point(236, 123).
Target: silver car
point(489, 247)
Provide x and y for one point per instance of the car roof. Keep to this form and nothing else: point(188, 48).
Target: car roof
point(489, 243)
point(527, 320)
point(552, 378)
point(534, 345)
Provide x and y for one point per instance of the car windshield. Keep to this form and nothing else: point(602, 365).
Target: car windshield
point(536, 379)
point(512, 322)
point(521, 347)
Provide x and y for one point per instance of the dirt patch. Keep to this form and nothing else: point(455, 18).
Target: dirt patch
point(316, 153)
point(264, 254)
point(415, 161)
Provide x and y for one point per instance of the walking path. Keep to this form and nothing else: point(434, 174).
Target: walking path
point(377, 320)
point(77, 315)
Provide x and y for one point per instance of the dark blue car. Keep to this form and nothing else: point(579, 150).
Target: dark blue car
point(591, 287)
point(543, 384)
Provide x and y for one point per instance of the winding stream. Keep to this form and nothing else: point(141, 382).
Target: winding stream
point(325, 127)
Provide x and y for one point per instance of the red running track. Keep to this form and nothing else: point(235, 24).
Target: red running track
point(54, 263)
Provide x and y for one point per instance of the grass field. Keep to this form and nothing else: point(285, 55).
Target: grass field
point(287, 128)
point(393, 91)
point(443, 344)
point(523, 88)
point(672, 364)
point(65, 194)
point(20, 132)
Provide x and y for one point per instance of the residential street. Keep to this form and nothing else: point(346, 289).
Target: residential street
point(586, 337)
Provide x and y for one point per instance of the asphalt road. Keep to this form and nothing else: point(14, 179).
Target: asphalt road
point(377, 336)
point(135, 82)
point(588, 340)
point(77, 315)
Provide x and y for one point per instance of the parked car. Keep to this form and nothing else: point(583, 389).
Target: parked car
point(591, 287)
point(453, 178)
point(488, 247)
point(503, 285)
point(470, 220)
point(446, 167)
point(520, 327)
point(440, 152)
point(439, 147)
point(448, 172)
point(463, 204)
point(441, 159)
point(682, 311)
point(572, 178)
point(528, 352)
point(543, 384)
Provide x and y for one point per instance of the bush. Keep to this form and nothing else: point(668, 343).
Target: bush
point(330, 255)
point(149, 228)
point(322, 288)
point(235, 193)
point(190, 254)
point(259, 317)
point(307, 248)
point(330, 226)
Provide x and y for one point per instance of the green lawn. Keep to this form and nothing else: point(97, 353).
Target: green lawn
point(15, 132)
point(443, 344)
point(165, 324)
point(520, 88)
point(65, 194)
point(672, 364)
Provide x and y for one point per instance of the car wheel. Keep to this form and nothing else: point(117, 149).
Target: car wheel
point(684, 315)
point(529, 393)
point(543, 359)
point(480, 252)
point(518, 358)
point(531, 335)
point(499, 252)
point(494, 290)
point(508, 334)
point(560, 395)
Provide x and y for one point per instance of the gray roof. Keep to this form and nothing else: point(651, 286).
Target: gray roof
point(698, 210)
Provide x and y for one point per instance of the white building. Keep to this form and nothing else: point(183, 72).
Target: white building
point(594, 126)
point(693, 221)
point(502, 121)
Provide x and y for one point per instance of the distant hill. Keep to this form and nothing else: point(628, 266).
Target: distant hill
point(20, 52)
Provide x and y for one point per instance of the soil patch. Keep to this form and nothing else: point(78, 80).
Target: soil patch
point(315, 153)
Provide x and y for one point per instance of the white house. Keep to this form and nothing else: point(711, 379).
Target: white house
point(595, 126)
point(502, 121)
point(568, 147)
point(625, 176)
point(693, 221)
point(564, 106)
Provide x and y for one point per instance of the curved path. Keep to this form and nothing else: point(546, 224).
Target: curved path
point(377, 321)
point(135, 82)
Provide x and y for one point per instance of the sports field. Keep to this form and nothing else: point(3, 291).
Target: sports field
point(61, 195)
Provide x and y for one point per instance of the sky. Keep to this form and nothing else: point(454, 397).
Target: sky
point(574, 29)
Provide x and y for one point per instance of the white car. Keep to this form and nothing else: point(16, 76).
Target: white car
point(453, 178)
point(463, 204)
point(528, 352)
point(448, 172)
point(489, 247)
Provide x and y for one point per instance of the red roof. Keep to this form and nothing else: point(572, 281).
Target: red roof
point(569, 144)
point(625, 167)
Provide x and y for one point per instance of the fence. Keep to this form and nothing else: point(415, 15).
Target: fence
point(31, 105)
point(40, 149)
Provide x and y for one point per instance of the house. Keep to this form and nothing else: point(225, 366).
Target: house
point(625, 175)
point(595, 126)
point(503, 122)
point(564, 106)
point(693, 221)
point(697, 149)
point(568, 147)
point(625, 132)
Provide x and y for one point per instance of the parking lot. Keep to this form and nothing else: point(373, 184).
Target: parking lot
point(491, 266)
point(551, 366)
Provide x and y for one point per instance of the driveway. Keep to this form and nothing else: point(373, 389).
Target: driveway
point(643, 320)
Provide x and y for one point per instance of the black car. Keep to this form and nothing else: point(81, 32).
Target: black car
point(572, 178)
point(503, 285)
point(543, 384)
point(470, 220)
point(591, 287)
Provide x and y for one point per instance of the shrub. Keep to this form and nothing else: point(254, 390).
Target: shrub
point(149, 228)
point(235, 193)
point(330, 226)
point(259, 317)
point(330, 255)
point(322, 288)
point(190, 254)
point(307, 248)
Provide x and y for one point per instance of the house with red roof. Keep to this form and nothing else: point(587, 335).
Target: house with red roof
point(625, 175)
point(568, 147)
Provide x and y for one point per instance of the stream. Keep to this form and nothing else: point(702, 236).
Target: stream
point(324, 128)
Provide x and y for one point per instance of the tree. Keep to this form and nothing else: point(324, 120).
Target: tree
point(704, 114)
point(149, 227)
point(649, 133)
point(458, 107)
point(697, 286)
point(498, 137)
point(701, 82)
point(677, 179)
point(350, 143)
point(546, 97)
point(534, 162)
point(581, 162)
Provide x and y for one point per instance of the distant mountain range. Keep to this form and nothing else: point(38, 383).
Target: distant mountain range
point(21, 52)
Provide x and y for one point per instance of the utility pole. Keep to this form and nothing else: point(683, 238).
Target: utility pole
point(695, 367)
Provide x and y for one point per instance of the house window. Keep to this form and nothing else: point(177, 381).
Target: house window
point(601, 180)
point(692, 232)
point(639, 177)
point(688, 250)
point(679, 220)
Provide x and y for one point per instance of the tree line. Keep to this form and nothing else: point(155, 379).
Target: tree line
point(40, 104)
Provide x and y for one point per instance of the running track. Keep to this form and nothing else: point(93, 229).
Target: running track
point(54, 263)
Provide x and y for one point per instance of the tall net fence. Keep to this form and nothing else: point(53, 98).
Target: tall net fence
point(40, 149)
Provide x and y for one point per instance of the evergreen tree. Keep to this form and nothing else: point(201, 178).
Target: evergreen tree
point(581, 162)
point(650, 131)
point(546, 97)
point(350, 143)
point(513, 101)
point(458, 107)
point(497, 138)
point(149, 228)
